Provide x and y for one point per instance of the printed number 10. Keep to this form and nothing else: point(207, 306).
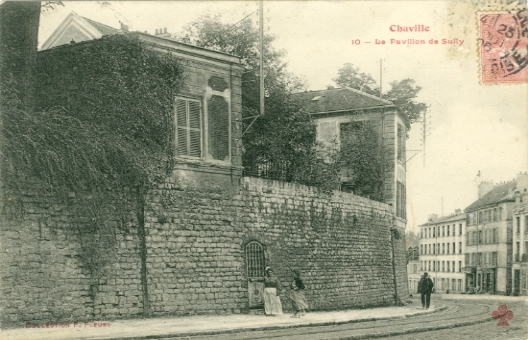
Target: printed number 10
point(356, 42)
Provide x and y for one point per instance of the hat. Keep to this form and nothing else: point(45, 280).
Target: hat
point(425, 274)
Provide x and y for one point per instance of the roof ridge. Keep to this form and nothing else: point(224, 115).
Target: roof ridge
point(97, 22)
point(353, 90)
point(369, 95)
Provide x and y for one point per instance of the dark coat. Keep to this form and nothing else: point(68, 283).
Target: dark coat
point(425, 286)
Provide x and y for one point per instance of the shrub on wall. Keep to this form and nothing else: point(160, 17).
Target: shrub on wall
point(101, 125)
point(103, 116)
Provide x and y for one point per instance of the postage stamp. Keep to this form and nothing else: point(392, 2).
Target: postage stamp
point(503, 47)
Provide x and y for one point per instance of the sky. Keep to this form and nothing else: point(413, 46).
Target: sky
point(471, 127)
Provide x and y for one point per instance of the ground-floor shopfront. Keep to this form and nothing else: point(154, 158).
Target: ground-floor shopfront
point(449, 284)
point(482, 280)
point(520, 279)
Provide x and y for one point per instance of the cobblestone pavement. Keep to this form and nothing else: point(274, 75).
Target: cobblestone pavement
point(483, 331)
point(489, 330)
point(461, 320)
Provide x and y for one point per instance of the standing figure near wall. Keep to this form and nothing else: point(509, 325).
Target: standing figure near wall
point(425, 287)
point(272, 289)
point(300, 305)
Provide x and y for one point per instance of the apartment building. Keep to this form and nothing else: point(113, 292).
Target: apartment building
point(489, 255)
point(520, 242)
point(413, 269)
point(442, 249)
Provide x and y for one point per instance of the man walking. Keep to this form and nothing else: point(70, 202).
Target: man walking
point(425, 288)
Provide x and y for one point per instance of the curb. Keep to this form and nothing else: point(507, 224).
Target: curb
point(268, 328)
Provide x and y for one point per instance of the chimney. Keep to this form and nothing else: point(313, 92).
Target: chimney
point(484, 188)
point(124, 27)
point(522, 181)
point(162, 32)
point(432, 217)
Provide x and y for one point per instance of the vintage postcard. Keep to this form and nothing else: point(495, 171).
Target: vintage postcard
point(264, 169)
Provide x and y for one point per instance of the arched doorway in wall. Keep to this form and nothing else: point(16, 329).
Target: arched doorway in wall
point(255, 267)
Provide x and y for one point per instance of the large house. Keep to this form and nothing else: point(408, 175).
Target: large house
point(336, 111)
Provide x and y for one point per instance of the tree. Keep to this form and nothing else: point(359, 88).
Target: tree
point(19, 22)
point(412, 239)
point(402, 93)
point(350, 76)
point(282, 141)
point(364, 159)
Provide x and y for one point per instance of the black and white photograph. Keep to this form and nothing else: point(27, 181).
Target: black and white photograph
point(231, 170)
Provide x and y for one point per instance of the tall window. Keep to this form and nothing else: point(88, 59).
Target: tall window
point(188, 127)
point(460, 247)
point(401, 143)
point(202, 126)
point(459, 266)
point(448, 230)
point(401, 201)
point(518, 224)
point(460, 229)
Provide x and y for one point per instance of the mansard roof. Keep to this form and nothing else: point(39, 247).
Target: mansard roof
point(445, 219)
point(340, 100)
point(500, 193)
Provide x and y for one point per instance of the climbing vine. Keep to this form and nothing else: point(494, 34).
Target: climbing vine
point(99, 128)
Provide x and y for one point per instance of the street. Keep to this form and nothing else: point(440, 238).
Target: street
point(463, 319)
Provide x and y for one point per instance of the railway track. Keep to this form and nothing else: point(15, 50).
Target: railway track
point(453, 316)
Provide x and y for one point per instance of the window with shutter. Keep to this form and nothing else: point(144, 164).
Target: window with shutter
point(188, 127)
point(218, 111)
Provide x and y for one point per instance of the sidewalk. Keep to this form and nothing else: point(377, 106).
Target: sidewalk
point(202, 325)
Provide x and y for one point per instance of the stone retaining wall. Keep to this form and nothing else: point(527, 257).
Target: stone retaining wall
point(197, 226)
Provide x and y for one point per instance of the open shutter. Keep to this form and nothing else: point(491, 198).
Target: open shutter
point(181, 127)
point(188, 127)
point(195, 140)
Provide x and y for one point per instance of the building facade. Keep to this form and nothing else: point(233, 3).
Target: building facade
point(442, 248)
point(489, 255)
point(520, 242)
point(336, 111)
point(413, 269)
